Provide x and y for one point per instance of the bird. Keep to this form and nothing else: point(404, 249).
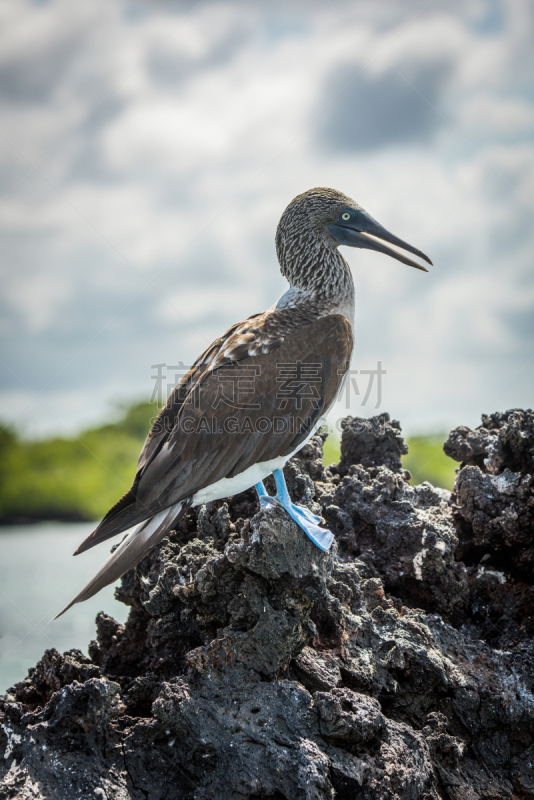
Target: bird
point(288, 364)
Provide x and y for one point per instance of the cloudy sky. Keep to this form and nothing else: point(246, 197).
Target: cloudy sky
point(149, 148)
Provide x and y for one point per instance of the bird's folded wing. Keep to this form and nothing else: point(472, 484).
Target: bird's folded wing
point(249, 411)
point(254, 395)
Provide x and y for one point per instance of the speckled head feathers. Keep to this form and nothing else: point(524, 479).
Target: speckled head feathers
point(307, 253)
point(312, 227)
point(315, 208)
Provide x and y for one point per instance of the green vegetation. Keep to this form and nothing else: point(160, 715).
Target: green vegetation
point(331, 450)
point(81, 478)
point(425, 460)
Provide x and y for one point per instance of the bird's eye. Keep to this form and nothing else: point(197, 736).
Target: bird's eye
point(345, 216)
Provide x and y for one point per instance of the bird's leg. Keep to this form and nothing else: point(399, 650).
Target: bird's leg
point(321, 537)
point(302, 516)
point(282, 495)
point(282, 498)
point(264, 498)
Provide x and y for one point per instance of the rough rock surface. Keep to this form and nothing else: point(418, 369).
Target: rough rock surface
point(397, 667)
point(493, 511)
point(374, 442)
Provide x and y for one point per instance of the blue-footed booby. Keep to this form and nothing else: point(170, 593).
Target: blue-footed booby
point(205, 446)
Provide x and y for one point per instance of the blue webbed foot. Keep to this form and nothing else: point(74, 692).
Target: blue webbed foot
point(266, 501)
point(321, 537)
point(304, 518)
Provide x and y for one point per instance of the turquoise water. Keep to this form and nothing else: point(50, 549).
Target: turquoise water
point(38, 576)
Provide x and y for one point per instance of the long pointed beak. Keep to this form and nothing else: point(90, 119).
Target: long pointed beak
point(361, 230)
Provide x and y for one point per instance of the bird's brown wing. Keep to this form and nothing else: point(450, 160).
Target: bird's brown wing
point(254, 395)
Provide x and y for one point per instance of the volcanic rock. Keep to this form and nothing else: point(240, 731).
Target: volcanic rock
point(399, 666)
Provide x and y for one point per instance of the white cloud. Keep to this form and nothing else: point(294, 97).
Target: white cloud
point(170, 143)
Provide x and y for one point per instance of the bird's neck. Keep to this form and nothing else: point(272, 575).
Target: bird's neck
point(317, 273)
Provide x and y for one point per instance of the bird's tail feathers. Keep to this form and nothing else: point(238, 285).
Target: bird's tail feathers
point(131, 550)
point(123, 516)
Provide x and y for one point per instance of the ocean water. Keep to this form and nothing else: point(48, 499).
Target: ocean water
point(38, 576)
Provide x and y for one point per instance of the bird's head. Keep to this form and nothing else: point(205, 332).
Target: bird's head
point(323, 219)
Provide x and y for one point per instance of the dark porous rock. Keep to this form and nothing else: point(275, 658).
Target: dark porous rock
point(493, 512)
point(504, 440)
point(470, 447)
point(399, 666)
point(495, 517)
point(514, 444)
point(309, 458)
point(343, 714)
point(53, 672)
point(406, 533)
point(373, 442)
point(317, 670)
